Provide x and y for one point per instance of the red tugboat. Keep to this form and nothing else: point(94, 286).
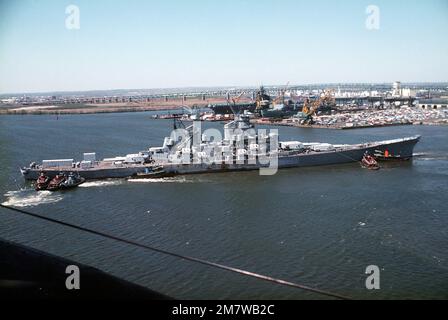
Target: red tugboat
point(56, 182)
point(42, 182)
point(369, 162)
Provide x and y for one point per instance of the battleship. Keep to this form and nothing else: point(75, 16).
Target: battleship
point(189, 151)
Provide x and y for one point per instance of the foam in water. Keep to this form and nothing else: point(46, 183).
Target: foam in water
point(162, 180)
point(430, 156)
point(100, 184)
point(30, 198)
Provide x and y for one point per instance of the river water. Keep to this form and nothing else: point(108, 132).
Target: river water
point(319, 226)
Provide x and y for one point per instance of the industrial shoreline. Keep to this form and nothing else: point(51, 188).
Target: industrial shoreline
point(314, 107)
point(273, 122)
point(434, 122)
point(75, 108)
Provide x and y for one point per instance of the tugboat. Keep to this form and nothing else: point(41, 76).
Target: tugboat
point(56, 182)
point(369, 162)
point(42, 182)
point(72, 181)
point(387, 156)
point(151, 173)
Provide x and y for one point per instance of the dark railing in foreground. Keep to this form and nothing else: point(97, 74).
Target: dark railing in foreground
point(176, 255)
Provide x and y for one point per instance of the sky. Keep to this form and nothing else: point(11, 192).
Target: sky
point(130, 44)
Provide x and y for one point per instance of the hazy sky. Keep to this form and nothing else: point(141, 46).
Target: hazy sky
point(179, 43)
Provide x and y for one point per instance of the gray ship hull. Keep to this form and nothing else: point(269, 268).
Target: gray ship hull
point(88, 174)
point(402, 148)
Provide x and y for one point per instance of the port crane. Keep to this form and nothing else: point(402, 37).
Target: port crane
point(310, 108)
point(263, 100)
point(238, 98)
point(234, 101)
point(281, 96)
